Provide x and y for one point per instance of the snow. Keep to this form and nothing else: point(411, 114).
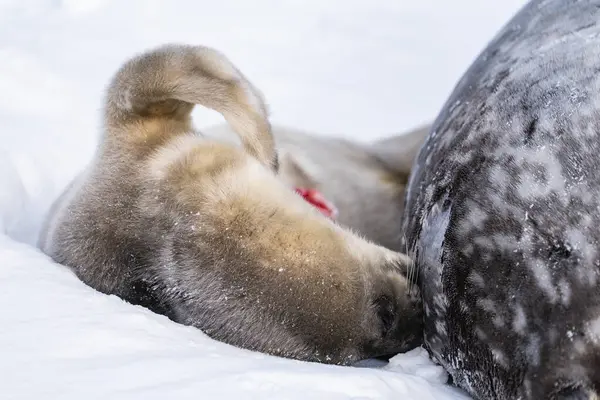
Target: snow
point(362, 69)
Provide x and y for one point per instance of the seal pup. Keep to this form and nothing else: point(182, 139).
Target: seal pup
point(207, 234)
point(364, 182)
point(502, 212)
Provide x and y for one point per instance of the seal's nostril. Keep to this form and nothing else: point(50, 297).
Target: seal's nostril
point(386, 313)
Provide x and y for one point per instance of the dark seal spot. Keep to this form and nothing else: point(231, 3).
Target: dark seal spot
point(530, 130)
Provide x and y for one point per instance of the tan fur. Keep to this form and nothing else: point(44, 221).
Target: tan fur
point(206, 233)
point(140, 108)
point(365, 181)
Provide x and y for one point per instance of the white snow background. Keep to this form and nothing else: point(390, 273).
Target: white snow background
point(356, 68)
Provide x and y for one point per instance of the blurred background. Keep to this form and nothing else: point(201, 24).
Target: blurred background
point(345, 67)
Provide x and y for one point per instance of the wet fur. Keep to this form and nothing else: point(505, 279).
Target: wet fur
point(208, 234)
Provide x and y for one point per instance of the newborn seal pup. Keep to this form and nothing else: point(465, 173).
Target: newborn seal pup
point(502, 213)
point(206, 233)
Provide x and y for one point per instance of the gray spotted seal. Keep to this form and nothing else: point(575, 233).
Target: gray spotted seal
point(502, 213)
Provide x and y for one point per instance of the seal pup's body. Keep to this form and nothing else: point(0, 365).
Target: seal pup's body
point(206, 233)
point(503, 212)
point(365, 181)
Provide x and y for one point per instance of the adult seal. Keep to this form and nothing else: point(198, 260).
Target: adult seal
point(502, 212)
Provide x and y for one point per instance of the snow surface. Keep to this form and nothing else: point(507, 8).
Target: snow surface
point(362, 69)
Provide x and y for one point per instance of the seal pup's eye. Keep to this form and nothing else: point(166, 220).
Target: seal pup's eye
point(385, 312)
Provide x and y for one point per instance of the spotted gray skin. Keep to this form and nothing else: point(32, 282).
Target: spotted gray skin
point(503, 212)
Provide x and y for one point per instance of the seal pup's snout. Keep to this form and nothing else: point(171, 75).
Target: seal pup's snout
point(396, 321)
point(406, 331)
